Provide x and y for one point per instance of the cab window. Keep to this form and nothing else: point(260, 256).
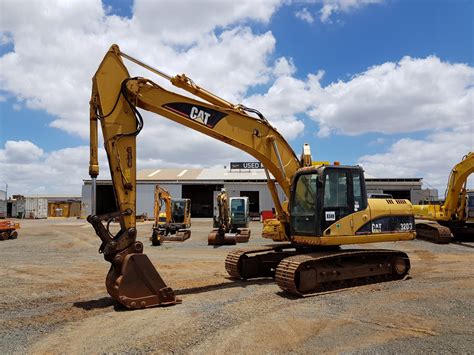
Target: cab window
point(336, 201)
point(359, 201)
point(335, 189)
point(303, 207)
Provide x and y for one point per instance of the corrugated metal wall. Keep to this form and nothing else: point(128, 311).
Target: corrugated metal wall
point(145, 195)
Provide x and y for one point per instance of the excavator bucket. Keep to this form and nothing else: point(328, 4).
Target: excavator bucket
point(135, 283)
point(214, 238)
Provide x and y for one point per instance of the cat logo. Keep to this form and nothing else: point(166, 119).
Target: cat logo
point(199, 115)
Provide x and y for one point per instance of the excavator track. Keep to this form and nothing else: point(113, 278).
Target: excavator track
point(315, 272)
point(257, 262)
point(432, 231)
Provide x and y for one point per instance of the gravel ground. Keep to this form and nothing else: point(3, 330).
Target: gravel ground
point(53, 300)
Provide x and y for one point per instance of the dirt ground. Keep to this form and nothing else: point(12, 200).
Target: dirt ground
point(53, 299)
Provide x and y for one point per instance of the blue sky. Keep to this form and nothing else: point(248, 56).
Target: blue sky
point(347, 44)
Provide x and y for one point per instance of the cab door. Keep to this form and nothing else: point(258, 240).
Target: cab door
point(337, 198)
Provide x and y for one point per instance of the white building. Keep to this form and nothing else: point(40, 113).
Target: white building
point(202, 185)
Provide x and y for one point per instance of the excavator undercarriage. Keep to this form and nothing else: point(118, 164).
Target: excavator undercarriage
point(169, 234)
point(303, 271)
point(433, 231)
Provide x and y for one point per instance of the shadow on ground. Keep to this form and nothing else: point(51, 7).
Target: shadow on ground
point(105, 302)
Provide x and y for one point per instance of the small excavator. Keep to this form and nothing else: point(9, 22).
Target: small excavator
point(231, 225)
point(444, 222)
point(326, 207)
point(176, 223)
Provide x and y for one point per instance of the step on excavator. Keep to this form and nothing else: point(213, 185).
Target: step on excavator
point(443, 223)
point(8, 230)
point(231, 225)
point(326, 208)
point(174, 223)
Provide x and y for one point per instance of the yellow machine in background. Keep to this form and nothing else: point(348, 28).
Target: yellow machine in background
point(173, 224)
point(440, 223)
point(327, 205)
point(231, 225)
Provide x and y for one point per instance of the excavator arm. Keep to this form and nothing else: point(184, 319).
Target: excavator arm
point(456, 187)
point(161, 195)
point(223, 218)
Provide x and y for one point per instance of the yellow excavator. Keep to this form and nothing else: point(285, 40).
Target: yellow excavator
point(443, 222)
point(231, 225)
point(175, 223)
point(327, 205)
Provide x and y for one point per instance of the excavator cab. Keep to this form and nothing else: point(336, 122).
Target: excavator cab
point(181, 211)
point(239, 212)
point(323, 196)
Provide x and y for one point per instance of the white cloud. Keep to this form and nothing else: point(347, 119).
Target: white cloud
point(284, 100)
point(331, 7)
point(431, 158)
point(284, 67)
point(59, 45)
point(29, 170)
point(413, 95)
point(20, 151)
point(304, 15)
point(174, 23)
point(408, 96)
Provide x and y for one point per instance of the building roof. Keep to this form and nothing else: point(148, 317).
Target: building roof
point(217, 174)
point(225, 174)
point(55, 196)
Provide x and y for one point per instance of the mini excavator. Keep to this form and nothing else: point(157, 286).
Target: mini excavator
point(175, 224)
point(441, 223)
point(327, 205)
point(231, 225)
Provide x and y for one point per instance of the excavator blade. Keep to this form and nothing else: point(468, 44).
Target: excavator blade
point(180, 236)
point(136, 283)
point(214, 238)
point(243, 235)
